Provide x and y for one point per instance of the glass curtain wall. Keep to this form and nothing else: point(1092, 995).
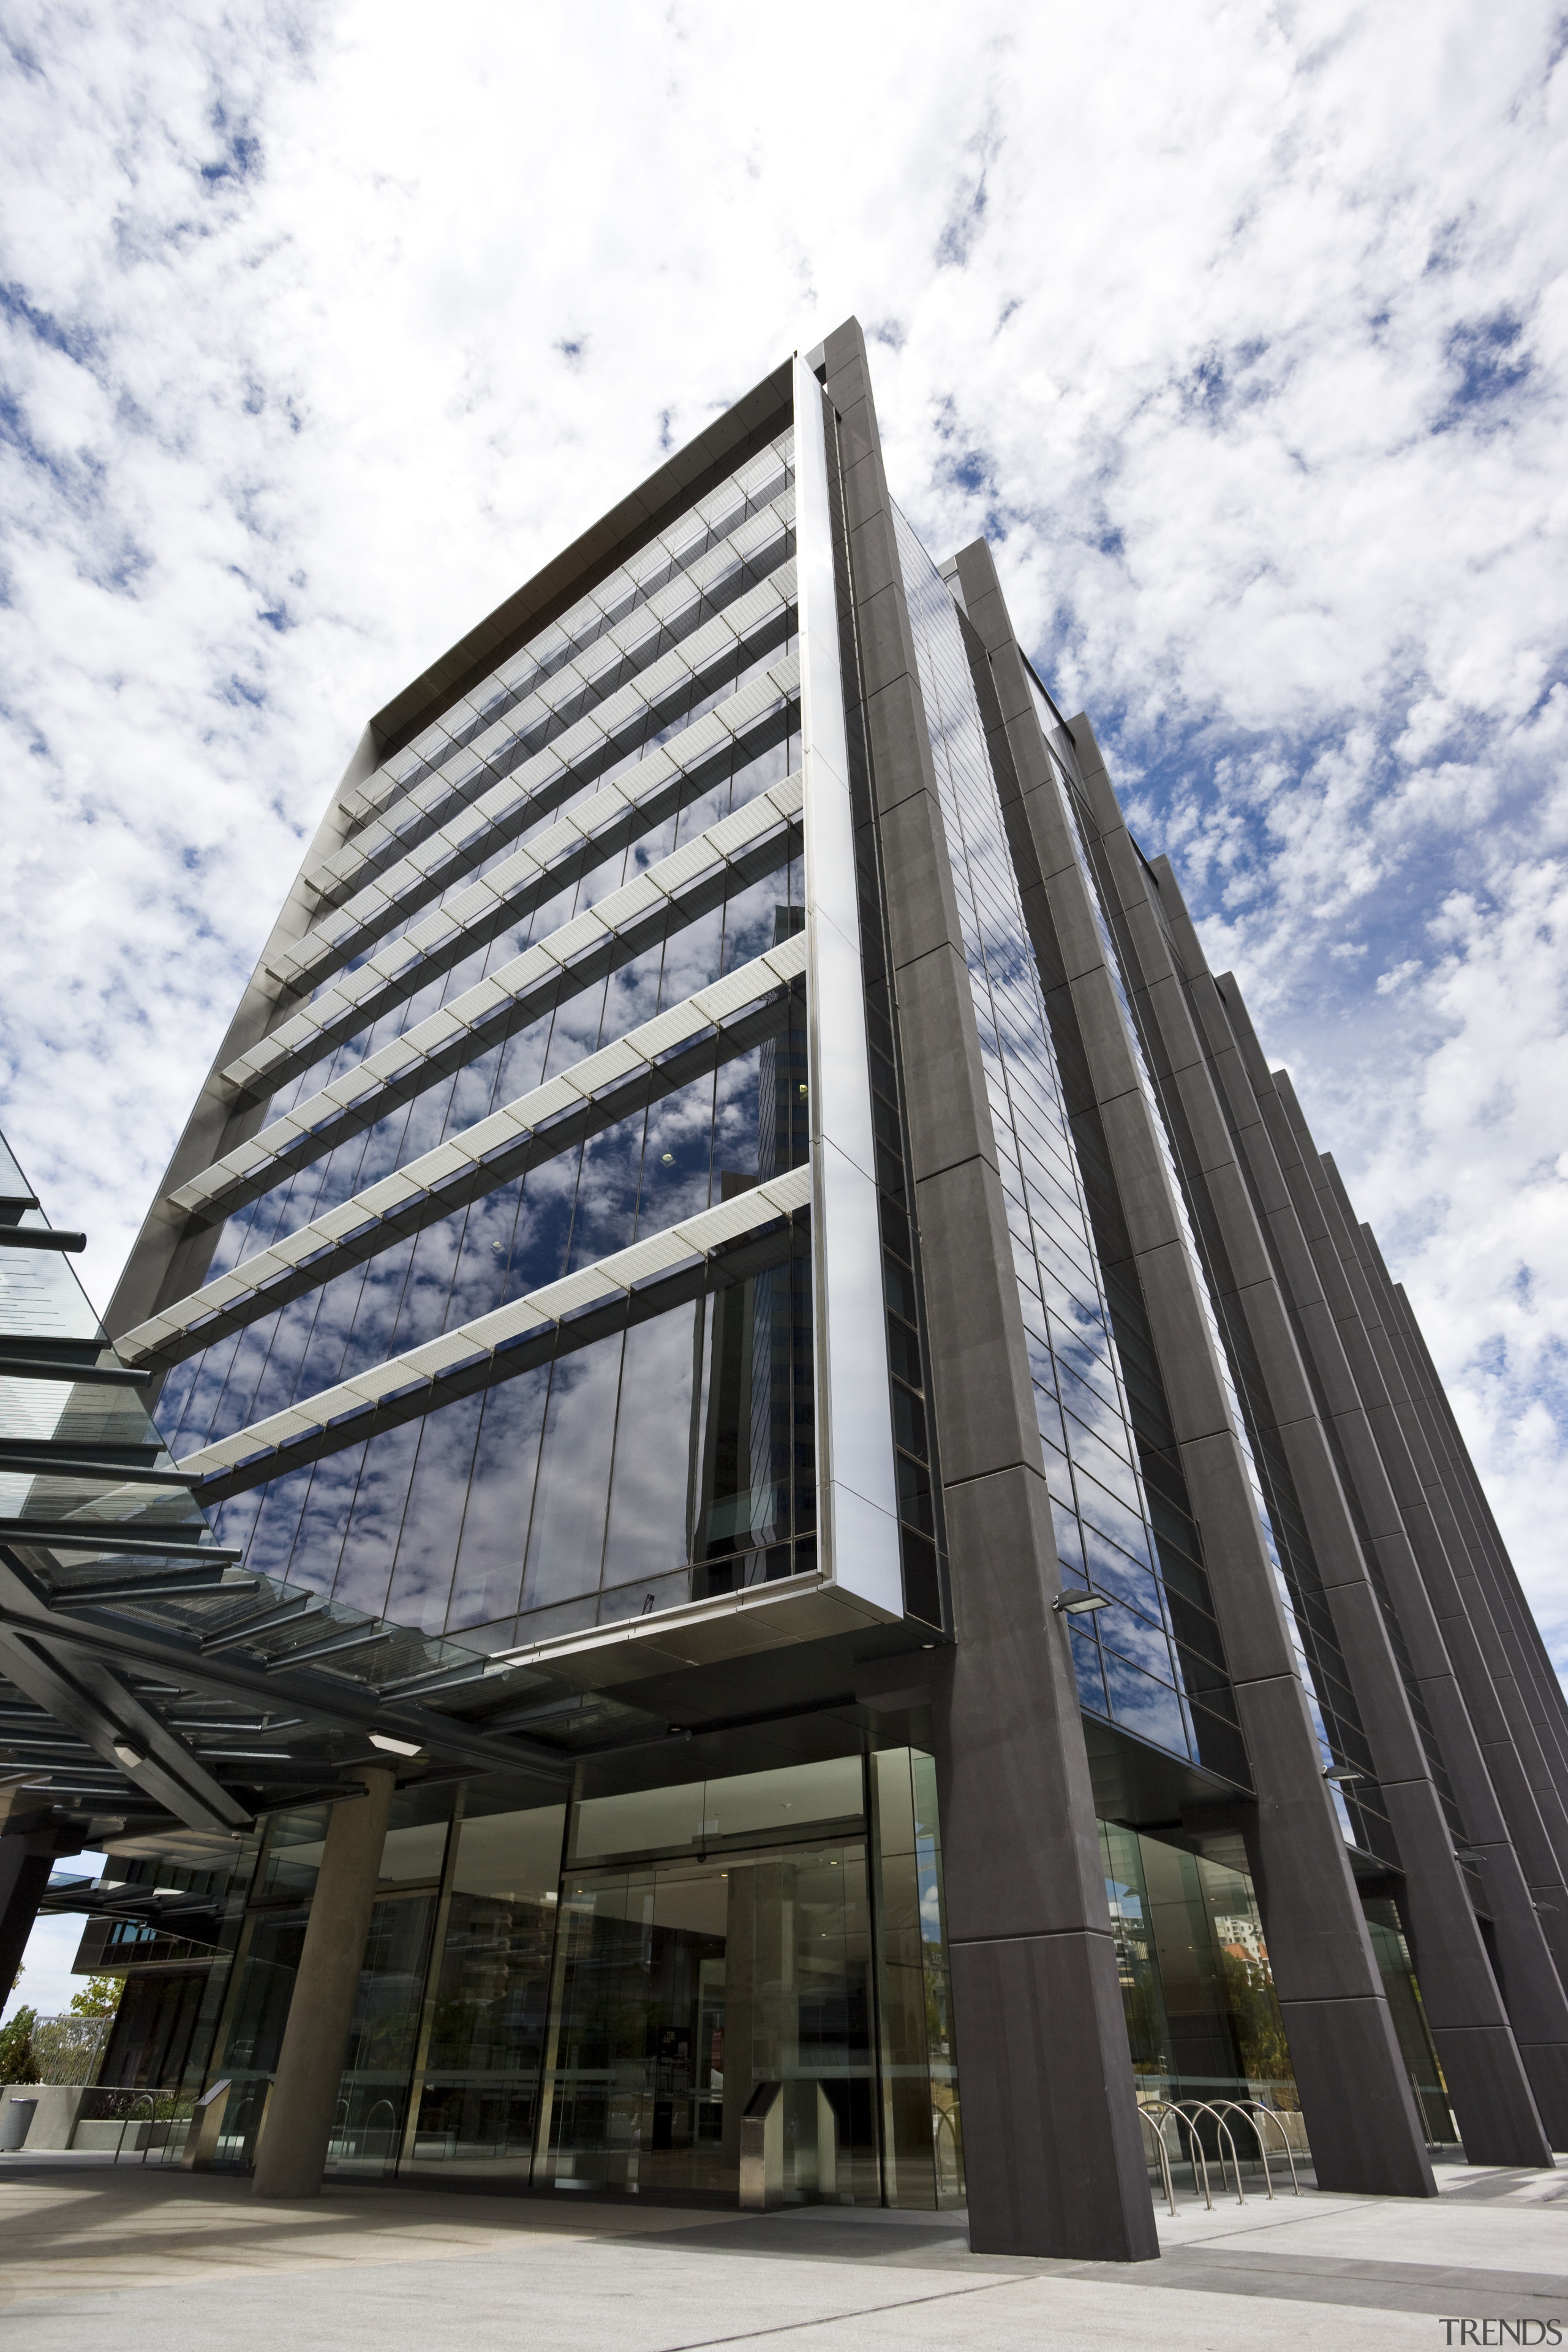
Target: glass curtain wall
point(1131, 1668)
point(593, 1996)
point(665, 1461)
point(1358, 1803)
point(1203, 2018)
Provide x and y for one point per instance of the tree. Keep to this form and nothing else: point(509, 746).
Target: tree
point(16, 2047)
point(100, 1997)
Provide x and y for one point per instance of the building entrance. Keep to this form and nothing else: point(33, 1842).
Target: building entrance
point(683, 1989)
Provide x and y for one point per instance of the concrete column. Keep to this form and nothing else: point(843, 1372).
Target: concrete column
point(1433, 1441)
point(1361, 2116)
point(1497, 2084)
point(1523, 1771)
point(1438, 1901)
point(304, 2098)
point(1052, 2141)
point(1421, 1573)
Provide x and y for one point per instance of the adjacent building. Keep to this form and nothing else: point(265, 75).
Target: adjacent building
point(828, 1538)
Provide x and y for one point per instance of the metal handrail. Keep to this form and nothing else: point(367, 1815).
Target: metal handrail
point(1195, 2152)
point(1145, 2117)
point(1202, 2108)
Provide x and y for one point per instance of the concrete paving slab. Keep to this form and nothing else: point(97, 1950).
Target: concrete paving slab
point(139, 2260)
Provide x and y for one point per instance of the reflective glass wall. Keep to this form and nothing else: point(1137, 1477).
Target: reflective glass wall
point(1132, 1665)
point(593, 1996)
point(672, 1459)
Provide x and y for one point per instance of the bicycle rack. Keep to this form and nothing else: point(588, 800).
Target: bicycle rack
point(1145, 2117)
point(129, 2117)
point(1201, 2107)
point(1253, 2108)
point(1199, 2161)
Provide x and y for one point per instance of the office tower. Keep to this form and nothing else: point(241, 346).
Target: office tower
point(736, 1242)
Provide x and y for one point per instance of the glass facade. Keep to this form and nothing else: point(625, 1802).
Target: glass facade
point(591, 1995)
point(1358, 1803)
point(1151, 1662)
point(672, 1459)
point(558, 999)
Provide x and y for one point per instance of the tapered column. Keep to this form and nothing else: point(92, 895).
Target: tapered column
point(1052, 2141)
point(293, 2151)
point(1361, 2116)
point(1504, 2093)
point(1466, 1534)
point(1438, 1902)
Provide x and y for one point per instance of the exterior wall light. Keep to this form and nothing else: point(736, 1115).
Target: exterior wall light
point(1341, 1773)
point(1080, 1604)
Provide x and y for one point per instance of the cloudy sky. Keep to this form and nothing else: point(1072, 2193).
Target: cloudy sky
point(1240, 331)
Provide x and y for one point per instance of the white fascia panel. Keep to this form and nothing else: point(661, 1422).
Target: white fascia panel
point(510, 1322)
point(670, 1028)
point(353, 985)
point(293, 1249)
point(148, 1336)
point(742, 986)
point(492, 1134)
point(436, 1029)
point(746, 824)
point(332, 1403)
point(649, 774)
point(789, 959)
point(557, 841)
point(639, 896)
point(788, 1192)
point(476, 1003)
point(522, 972)
point(854, 1411)
point(433, 1168)
point(351, 1087)
point(244, 1158)
point(725, 1222)
point(585, 931)
point(378, 1380)
point(226, 1454)
point(392, 1192)
point(655, 1256)
point(609, 1065)
point(432, 930)
point(683, 865)
point(707, 734)
point(336, 1224)
point(441, 1354)
point(470, 904)
point(279, 1427)
point(556, 1095)
point(573, 1291)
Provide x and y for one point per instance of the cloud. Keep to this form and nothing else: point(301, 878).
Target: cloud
point(1241, 333)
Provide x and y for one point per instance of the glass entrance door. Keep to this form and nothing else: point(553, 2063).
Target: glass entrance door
point(683, 1986)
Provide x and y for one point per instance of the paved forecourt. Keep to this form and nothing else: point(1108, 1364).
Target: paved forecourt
point(97, 2254)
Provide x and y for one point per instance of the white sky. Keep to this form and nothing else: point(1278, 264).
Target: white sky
point(46, 1983)
point(1241, 332)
